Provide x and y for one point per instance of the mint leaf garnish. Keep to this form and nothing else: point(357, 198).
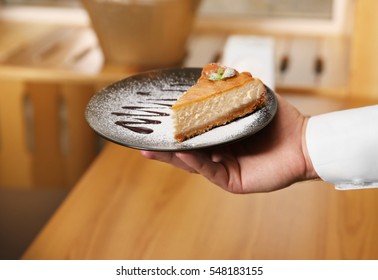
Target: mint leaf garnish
point(222, 74)
point(214, 77)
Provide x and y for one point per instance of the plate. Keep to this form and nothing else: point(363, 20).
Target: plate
point(135, 112)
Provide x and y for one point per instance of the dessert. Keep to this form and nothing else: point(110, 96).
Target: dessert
point(220, 95)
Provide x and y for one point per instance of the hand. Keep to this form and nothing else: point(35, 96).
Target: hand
point(272, 159)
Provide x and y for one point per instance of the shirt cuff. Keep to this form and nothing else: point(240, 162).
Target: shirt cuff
point(343, 147)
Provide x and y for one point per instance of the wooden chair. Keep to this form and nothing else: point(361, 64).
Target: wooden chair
point(44, 138)
point(48, 72)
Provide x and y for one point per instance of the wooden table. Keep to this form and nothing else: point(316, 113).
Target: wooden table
point(128, 207)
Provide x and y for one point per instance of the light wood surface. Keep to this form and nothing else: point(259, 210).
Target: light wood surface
point(128, 207)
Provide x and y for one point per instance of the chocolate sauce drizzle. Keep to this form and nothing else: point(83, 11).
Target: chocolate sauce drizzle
point(138, 129)
point(139, 109)
point(149, 110)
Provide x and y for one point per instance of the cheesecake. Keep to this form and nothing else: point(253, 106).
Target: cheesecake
point(220, 95)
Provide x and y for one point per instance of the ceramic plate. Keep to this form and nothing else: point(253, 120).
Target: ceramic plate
point(135, 112)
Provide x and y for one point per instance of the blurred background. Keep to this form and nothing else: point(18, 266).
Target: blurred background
point(55, 54)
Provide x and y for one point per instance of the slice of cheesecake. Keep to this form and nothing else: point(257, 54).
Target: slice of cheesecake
point(220, 95)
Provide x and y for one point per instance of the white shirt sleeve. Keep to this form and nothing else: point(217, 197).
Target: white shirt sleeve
point(343, 147)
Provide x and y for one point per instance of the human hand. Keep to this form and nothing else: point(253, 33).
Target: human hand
point(272, 159)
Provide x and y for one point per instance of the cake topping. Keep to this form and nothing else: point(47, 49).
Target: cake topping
point(222, 73)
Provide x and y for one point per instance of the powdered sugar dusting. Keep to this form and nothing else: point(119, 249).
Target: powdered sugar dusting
point(148, 96)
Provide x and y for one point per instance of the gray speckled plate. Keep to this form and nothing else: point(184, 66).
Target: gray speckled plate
point(135, 112)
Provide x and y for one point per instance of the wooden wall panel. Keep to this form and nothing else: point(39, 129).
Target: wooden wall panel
point(48, 165)
point(15, 158)
point(45, 141)
point(81, 139)
point(364, 54)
